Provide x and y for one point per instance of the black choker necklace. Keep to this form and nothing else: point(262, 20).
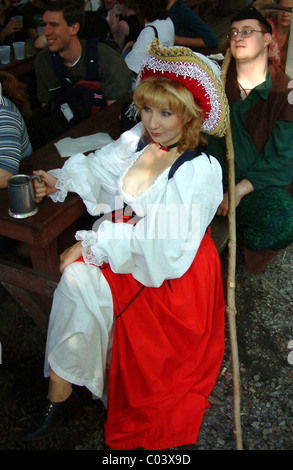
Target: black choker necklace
point(167, 148)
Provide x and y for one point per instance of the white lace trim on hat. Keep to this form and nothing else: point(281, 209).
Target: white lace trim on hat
point(191, 71)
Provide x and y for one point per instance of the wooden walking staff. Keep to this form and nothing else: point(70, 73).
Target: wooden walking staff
point(231, 308)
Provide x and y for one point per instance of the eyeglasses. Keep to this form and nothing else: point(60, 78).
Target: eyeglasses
point(246, 33)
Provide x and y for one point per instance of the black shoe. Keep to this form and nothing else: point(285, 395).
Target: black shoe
point(55, 413)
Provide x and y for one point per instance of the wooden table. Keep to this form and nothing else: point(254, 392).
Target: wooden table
point(18, 68)
point(24, 70)
point(49, 231)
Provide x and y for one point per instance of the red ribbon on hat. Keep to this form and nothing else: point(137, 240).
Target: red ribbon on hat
point(198, 91)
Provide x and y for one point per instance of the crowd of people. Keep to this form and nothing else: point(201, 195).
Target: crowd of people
point(138, 315)
point(281, 24)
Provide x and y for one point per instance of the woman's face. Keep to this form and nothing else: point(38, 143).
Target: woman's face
point(162, 124)
point(109, 4)
point(284, 17)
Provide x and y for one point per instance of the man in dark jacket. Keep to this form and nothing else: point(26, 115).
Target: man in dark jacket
point(63, 21)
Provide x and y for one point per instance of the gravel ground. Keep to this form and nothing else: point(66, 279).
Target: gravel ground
point(264, 325)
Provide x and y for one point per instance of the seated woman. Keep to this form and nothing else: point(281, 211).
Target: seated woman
point(142, 294)
point(157, 21)
point(106, 8)
point(14, 140)
point(281, 24)
point(126, 28)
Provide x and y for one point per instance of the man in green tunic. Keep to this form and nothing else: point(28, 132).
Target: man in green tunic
point(262, 132)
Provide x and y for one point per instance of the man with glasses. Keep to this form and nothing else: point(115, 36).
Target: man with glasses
point(262, 132)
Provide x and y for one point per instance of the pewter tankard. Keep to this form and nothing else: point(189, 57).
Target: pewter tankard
point(21, 195)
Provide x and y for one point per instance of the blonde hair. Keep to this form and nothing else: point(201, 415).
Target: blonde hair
point(161, 92)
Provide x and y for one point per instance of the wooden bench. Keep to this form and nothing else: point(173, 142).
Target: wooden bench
point(220, 232)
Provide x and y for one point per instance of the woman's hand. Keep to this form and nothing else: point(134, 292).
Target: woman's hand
point(113, 21)
point(224, 206)
point(70, 255)
point(46, 187)
point(12, 27)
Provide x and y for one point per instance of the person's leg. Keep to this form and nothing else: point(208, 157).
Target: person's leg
point(59, 389)
point(78, 342)
point(63, 403)
point(264, 225)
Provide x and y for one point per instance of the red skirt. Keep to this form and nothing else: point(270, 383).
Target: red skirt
point(167, 350)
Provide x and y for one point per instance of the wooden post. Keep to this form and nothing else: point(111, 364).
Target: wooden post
point(231, 283)
point(289, 63)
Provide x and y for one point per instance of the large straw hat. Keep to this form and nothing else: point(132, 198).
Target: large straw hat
point(199, 74)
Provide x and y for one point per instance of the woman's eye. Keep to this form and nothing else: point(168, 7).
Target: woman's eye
point(146, 109)
point(166, 113)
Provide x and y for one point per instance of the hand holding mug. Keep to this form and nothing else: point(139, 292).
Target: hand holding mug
point(46, 187)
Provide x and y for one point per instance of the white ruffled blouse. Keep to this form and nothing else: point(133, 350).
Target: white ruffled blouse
point(175, 212)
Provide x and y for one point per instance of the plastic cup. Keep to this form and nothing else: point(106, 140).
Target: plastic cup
point(117, 10)
point(5, 54)
point(18, 49)
point(95, 4)
point(19, 19)
point(40, 30)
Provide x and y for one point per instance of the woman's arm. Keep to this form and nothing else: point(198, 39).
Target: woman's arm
point(70, 255)
point(199, 29)
point(120, 29)
point(93, 177)
point(189, 42)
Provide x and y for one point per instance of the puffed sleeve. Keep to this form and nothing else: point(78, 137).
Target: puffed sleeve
point(94, 177)
point(163, 244)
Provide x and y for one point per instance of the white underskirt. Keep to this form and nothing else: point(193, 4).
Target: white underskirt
point(80, 331)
